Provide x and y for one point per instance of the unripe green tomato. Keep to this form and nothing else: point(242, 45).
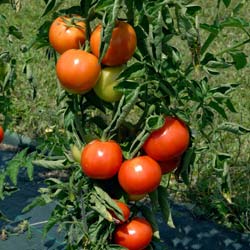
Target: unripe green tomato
point(104, 87)
point(76, 153)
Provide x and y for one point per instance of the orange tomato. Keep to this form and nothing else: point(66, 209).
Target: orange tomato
point(77, 70)
point(67, 33)
point(122, 44)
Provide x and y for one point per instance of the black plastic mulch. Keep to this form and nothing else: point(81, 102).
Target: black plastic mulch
point(190, 232)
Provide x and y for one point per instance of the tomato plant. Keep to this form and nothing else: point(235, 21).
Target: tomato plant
point(134, 235)
point(139, 175)
point(67, 32)
point(1, 134)
point(122, 44)
point(167, 108)
point(101, 159)
point(104, 87)
point(169, 141)
point(77, 70)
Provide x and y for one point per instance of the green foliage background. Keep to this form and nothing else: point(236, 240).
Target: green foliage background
point(34, 98)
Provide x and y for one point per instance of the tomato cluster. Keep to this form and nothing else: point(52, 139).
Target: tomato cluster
point(79, 71)
point(161, 153)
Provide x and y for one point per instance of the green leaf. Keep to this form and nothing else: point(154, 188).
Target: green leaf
point(126, 86)
point(218, 65)
point(12, 170)
point(14, 31)
point(109, 202)
point(53, 219)
point(38, 201)
point(239, 58)
point(234, 22)
point(230, 106)
point(151, 218)
point(165, 206)
point(52, 5)
point(234, 128)
point(192, 9)
point(30, 170)
point(100, 208)
point(50, 164)
point(154, 122)
point(216, 106)
point(2, 179)
point(227, 2)
point(184, 169)
point(131, 69)
point(225, 88)
point(107, 28)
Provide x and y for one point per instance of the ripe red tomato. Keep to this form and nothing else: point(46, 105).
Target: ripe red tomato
point(168, 142)
point(67, 33)
point(125, 210)
point(170, 165)
point(77, 70)
point(134, 235)
point(122, 44)
point(101, 159)
point(139, 175)
point(1, 134)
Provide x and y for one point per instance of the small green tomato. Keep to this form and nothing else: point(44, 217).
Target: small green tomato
point(104, 87)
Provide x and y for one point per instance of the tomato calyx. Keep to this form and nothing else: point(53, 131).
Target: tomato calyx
point(72, 20)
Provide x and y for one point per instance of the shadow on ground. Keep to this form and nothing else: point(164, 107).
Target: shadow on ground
point(190, 232)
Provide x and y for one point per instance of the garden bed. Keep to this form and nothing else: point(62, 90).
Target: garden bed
point(191, 231)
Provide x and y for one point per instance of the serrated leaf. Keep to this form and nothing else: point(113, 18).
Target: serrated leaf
point(38, 201)
point(216, 106)
point(50, 164)
point(107, 30)
point(30, 170)
point(109, 202)
point(165, 206)
point(12, 170)
point(100, 208)
point(234, 128)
